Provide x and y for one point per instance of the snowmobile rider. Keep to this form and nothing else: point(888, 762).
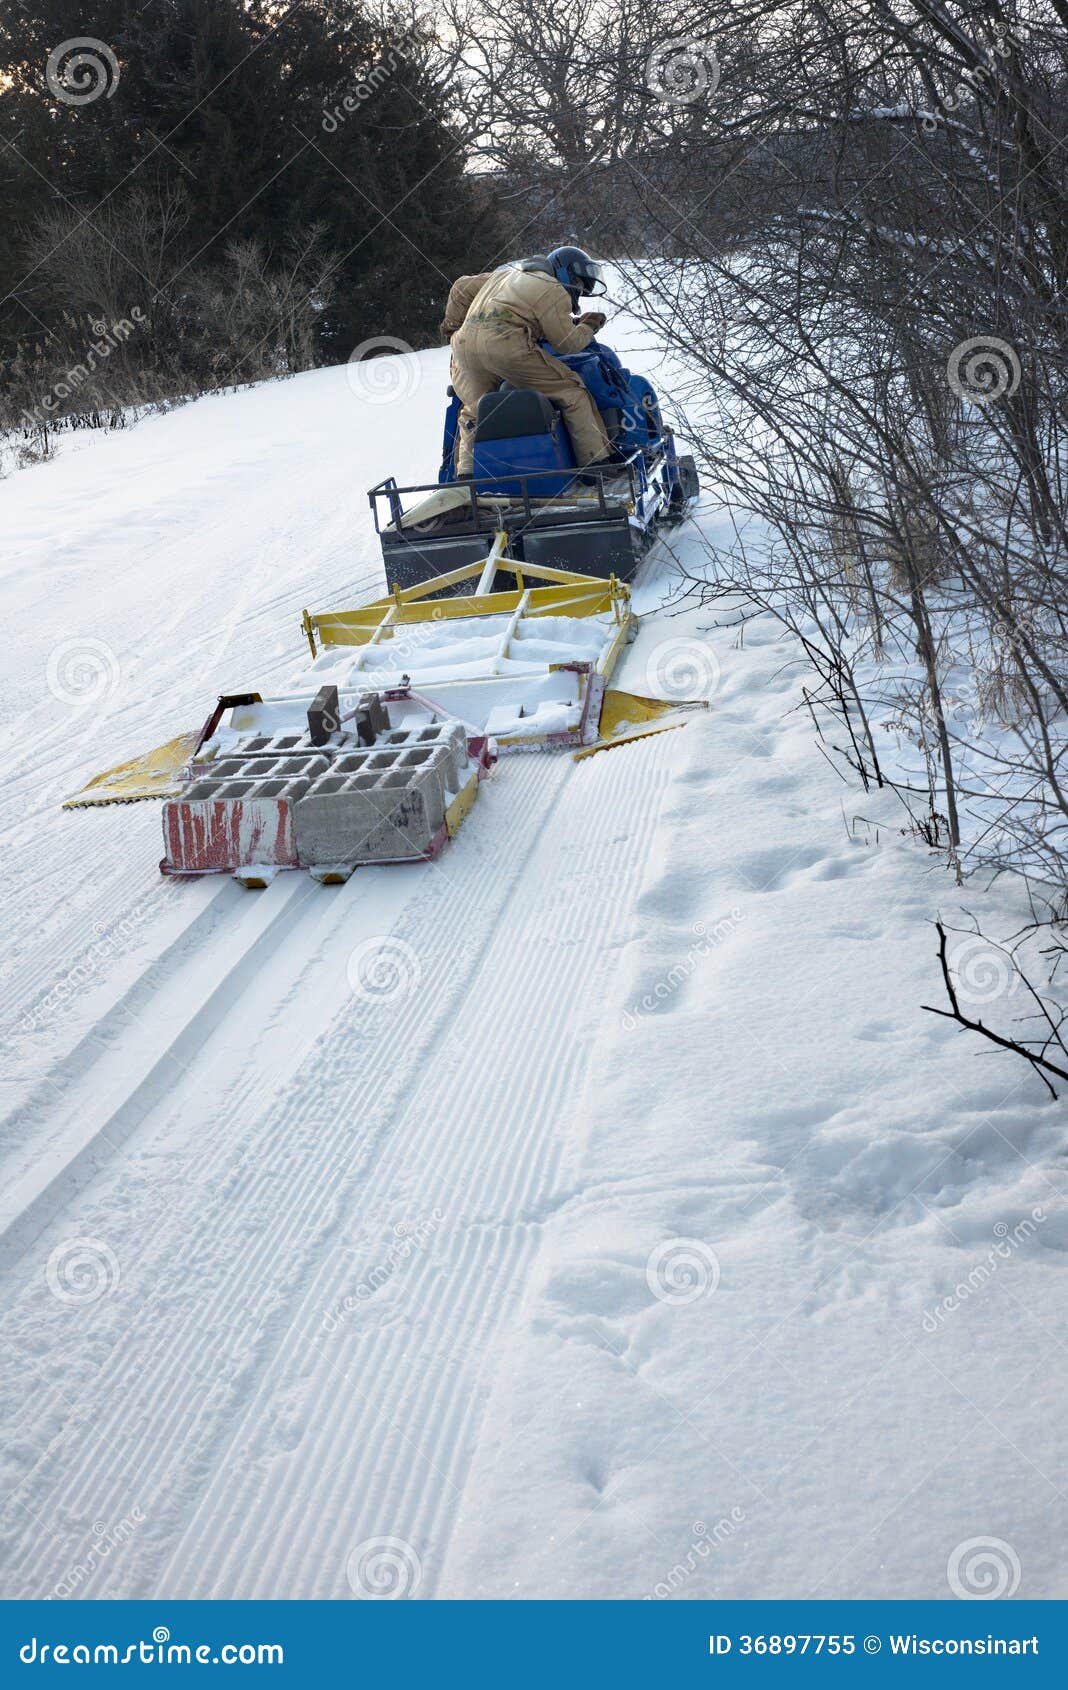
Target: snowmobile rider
point(495, 322)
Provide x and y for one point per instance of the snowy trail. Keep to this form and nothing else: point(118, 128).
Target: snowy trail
point(289, 1264)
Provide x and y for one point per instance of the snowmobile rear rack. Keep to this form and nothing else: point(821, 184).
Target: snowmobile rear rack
point(600, 526)
point(482, 490)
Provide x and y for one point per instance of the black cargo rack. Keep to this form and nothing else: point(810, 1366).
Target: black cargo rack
point(487, 489)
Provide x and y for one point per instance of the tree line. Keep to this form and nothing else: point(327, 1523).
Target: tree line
point(209, 191)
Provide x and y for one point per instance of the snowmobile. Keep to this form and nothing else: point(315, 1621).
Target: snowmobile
point(597, 521)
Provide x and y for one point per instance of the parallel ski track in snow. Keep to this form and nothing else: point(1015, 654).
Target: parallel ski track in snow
point(110, 1086)
point(108, 915)
point(207, 1391)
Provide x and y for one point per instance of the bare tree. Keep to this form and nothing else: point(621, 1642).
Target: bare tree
point(879, 371)
point(132, 327)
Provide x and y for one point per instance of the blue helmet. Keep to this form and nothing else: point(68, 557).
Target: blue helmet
point(577, 271)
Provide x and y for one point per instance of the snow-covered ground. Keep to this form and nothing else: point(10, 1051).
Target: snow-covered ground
point(636, 1234)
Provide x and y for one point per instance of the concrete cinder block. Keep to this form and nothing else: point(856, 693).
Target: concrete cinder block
point(449, 734)
point(238, 812)
point(281, 799)
point(324, 715)
point(373, 816)
point(216, 834)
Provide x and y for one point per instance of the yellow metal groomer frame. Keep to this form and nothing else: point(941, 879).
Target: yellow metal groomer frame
point(566, 594)
point(559, 592)
point(609, 717)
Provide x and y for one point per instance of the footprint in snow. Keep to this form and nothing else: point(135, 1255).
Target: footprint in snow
point(768, 871)
point(885, 1032)
point(784, 866)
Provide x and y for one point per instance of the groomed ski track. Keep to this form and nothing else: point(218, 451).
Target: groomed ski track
point(427, 1119)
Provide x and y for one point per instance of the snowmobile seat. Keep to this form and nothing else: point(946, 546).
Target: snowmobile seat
point(611, 415)
point(519, 432)
point(513, 412)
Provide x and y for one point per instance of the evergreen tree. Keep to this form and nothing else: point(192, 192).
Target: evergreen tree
point(219, 123)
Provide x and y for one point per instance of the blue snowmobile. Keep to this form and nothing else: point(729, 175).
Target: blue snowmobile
point(598, 521)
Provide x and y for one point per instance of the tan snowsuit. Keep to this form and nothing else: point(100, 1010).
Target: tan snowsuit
point(495, 322)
